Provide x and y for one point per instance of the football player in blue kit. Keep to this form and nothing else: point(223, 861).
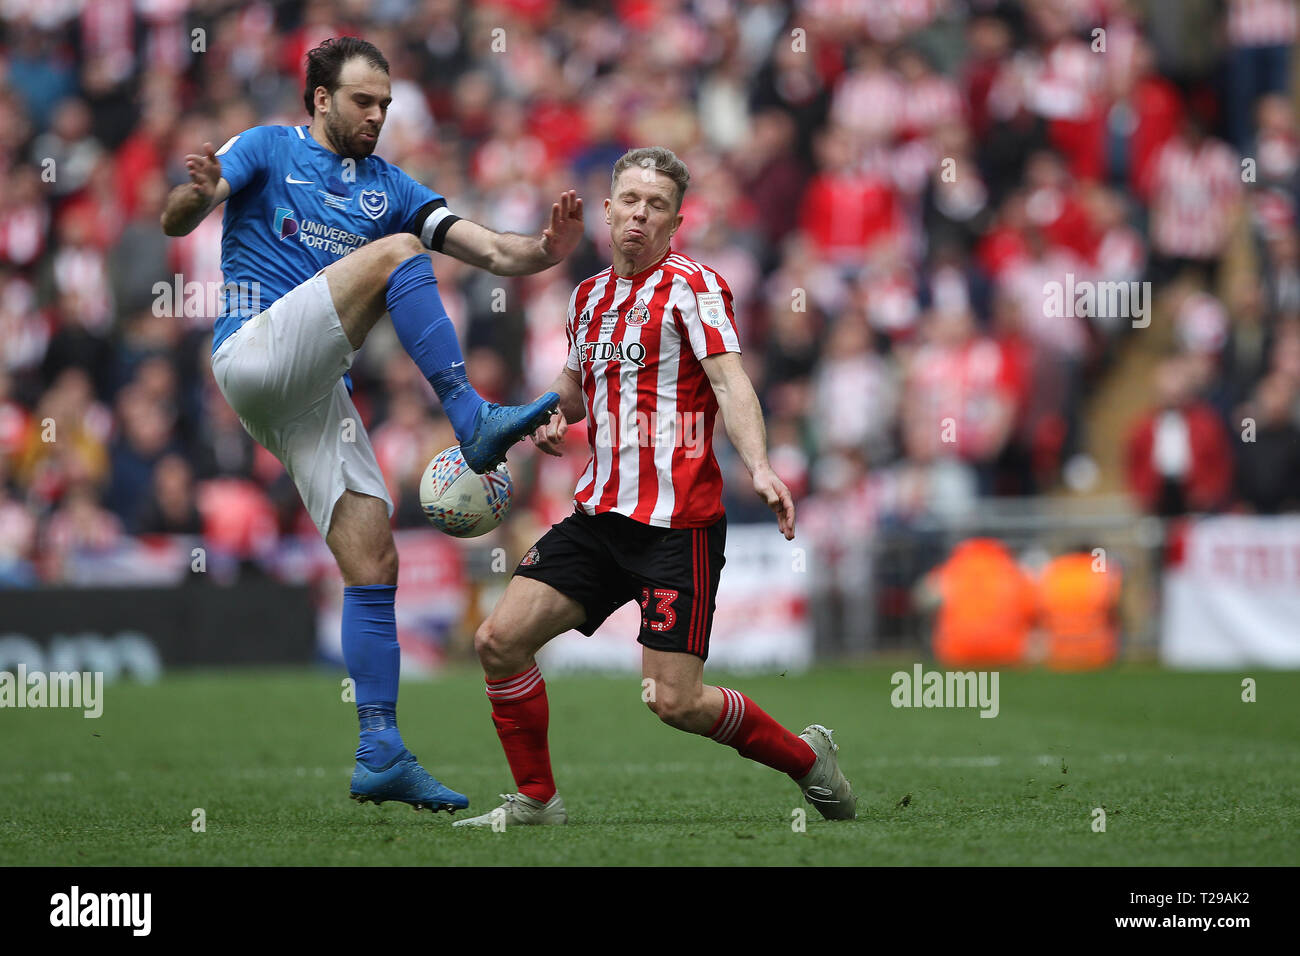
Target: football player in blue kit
point(321, 238)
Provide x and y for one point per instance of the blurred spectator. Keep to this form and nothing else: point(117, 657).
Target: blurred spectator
point(1196, 185)
point(1200, 323)
point(222, 448)
point(13, 419)
point(146, 436)
point(173, 507)
point(41, 70)
point(77, 280)
point(770, 174)
point(1145, 113)
point(793, 346)
point(855, 394)
point(846, 209)
point(139, 260)
point(1277, 146)
point(17, 536)
point(956, 198)
point(1268, 456)
point(24, 217)
point(68, 149)
point(1178, 456)
point(1078, 600)
point(65, 444)
point(143, 154)
point(959, 394)
point(1032, 454)
point(238, 521)
point(1062, 83)
point(1120, 252)
point(1245, 353)
point(987, 606)
point(1261, 34)
point(404, 442)
point(724, 105)
point(78, 525)
point(789, 80)
point(1282, 273)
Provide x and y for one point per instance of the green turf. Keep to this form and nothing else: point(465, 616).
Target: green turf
point(1187, 772)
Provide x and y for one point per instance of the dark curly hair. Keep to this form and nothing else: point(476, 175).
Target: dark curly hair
point(325, 63)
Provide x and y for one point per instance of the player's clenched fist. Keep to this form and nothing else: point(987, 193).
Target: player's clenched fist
point(205, 171)
point(550, 437)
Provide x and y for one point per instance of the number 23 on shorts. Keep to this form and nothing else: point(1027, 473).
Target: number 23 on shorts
point(664, 597)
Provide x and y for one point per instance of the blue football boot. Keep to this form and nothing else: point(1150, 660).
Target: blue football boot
point(405, 781)
point(500, 426)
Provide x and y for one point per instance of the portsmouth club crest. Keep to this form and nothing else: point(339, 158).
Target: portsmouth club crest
point(638, 315)
point(374, 202)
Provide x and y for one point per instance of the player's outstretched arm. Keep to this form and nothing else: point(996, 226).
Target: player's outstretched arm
point(550, 437)
point(508, 254)
point(188, 203)
point(744, 420)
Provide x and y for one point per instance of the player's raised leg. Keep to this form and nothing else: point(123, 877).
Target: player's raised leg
point(681, 699)
point(395, 274)
point(528, 615)
point(362, 542)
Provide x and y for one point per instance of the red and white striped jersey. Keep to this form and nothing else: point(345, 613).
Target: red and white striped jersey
point(1193, 197)
point(638, 342)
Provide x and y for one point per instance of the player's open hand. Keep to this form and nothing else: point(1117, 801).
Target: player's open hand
point(564, 233)
point(550, 437)
point(205, 171)
point(777, 496)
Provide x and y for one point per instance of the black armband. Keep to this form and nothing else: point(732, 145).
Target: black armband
point(432, 222)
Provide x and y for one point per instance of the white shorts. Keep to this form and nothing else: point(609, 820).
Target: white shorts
point(282, 373)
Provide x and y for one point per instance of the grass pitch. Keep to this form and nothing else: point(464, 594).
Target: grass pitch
point(1187, 773)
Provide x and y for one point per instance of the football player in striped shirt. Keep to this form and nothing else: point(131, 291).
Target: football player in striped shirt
point(653, 358)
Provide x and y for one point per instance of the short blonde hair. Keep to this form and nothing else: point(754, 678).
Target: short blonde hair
point(658, 158)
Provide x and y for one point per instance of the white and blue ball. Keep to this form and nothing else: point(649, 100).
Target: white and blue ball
point(461, 503)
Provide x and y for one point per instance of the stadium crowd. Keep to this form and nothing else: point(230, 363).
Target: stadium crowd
point(889, 187)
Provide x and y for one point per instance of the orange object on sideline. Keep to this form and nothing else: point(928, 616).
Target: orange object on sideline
point(1078, 602)
point(989, 606)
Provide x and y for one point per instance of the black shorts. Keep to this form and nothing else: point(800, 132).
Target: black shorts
point(602, 562)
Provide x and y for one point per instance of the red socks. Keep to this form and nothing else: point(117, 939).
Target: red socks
point(521, 716)
point(744, 725)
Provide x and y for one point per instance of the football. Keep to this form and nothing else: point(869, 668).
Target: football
point(461, 503)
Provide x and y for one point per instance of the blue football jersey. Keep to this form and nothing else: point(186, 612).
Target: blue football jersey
point(294, 208)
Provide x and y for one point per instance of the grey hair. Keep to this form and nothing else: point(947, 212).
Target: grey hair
point(654, 158)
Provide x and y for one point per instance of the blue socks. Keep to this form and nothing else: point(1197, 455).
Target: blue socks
point(373, 660)
point(429, 338)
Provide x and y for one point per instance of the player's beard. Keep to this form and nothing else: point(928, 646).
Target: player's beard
point(347, 142)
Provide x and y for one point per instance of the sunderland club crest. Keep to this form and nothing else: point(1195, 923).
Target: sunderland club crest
point(374, 202)
point(639, 314)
